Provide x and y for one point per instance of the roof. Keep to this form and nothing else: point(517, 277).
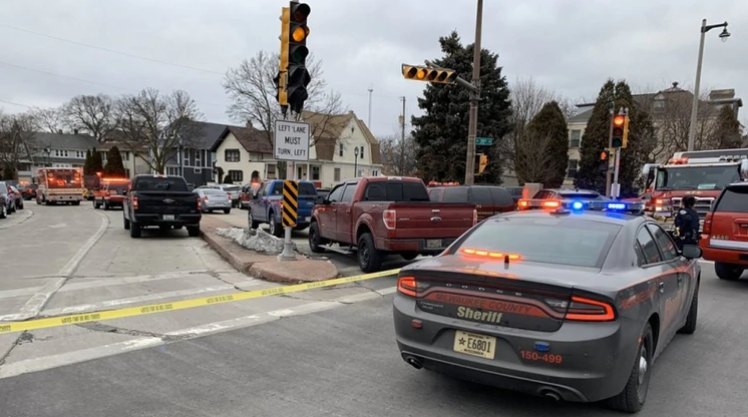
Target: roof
point(251, 139)
point(582, 117)
point(207, 134)
point(63, 141)
point(327, 130)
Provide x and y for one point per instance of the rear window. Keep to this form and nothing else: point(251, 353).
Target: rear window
point(481, 196)
point(502, 197)
point(581, 196)
point(733, 200)
point(455, 195)
point(563, 241)
point(307, 188)
point(234, 188)
point(515, 191)
point(161, 184)
point(212, 191)
point(396, 191)
point(118, 187)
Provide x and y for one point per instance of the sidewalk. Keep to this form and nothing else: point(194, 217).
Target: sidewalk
point(264, 266)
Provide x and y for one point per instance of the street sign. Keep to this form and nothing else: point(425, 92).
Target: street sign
point(291, 140)
point(483, 141)
point(290, 203)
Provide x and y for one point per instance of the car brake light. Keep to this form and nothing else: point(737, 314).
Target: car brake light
point(199, 204)
point(228, 197)
point(389, 217)
point(585, 309)
point(475, 217)
point(135, 203)
point(489, 254)
point(707, 228)
point(206, 198)
point(551, 204)
point(523, 204)
point(407, 286)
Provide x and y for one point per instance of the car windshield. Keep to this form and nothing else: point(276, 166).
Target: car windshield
point(548, 240)
point(697, 177)
point(307, 188)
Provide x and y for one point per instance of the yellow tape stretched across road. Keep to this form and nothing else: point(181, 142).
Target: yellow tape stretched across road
point(36, 324)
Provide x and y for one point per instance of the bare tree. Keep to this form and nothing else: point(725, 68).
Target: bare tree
point(52, 120)
point(251, 87)
point(16, 133)
point(93, 115)
point(527, 99)
point(535, 161)
point(398, 155)
point(156, 123)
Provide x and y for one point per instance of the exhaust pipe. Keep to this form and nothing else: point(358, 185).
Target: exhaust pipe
point(414, 362)
point(547, 393)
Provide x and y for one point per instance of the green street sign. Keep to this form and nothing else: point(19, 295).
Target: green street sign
point(483, 141)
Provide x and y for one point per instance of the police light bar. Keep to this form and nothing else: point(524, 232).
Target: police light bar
point(617, 206)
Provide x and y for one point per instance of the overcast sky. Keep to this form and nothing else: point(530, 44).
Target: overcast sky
point(570, 46)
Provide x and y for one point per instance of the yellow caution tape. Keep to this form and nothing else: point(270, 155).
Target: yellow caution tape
point(45, 323)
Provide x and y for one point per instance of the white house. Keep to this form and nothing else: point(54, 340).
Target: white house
point(244, 154)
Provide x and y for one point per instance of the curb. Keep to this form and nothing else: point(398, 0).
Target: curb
point(26, 217)
point(240, 265)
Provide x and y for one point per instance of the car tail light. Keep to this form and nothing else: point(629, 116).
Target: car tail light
point(206, 198)
point(228, 197)
point(135, 203)
point(199, 204)
point(475, 217)
point(585, 309)
point(523, 204)
point(389, 217)
point(551, 204)
point(489, 254)
point(407, 286)
point(707, 228)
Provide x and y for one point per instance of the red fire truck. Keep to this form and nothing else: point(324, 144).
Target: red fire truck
point(59, 185)
point(701, 174)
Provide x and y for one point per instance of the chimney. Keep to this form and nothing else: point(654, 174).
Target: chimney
point(675, 85)
point(249, 124)
point(75, 131)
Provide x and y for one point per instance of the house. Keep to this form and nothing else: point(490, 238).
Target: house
point(54, 150)
point(196, 157)
point(134, 160)
point(341, 146)
point(666, 108)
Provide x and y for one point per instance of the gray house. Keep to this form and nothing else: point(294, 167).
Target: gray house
point(196, 158)
point(55, 150)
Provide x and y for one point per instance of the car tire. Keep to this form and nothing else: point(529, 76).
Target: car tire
point(126, 222)
point(135, 230)
point(251, 221)
point(106, 205)
point(727, 272)
point(369, 257)
point(634, 394)
point(3, 212)
point(226, 211)
point(693, 314)
point(193, 231)
point(315, 240)
point(96, 205)
point(409, 256)
point(275, 228)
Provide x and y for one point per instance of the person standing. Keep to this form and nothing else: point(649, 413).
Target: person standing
point(686, 223)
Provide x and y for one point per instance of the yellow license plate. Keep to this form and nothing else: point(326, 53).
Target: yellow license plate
point(475, 344)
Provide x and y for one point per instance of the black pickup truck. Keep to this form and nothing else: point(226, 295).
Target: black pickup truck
point(163, 201)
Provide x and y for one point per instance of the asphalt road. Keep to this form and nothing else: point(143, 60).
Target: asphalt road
point(344, 362)
point(59, 260)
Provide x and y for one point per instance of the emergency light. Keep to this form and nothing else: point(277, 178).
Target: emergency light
point(618, 206)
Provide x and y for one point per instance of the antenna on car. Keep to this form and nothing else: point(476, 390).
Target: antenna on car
point(506, 261)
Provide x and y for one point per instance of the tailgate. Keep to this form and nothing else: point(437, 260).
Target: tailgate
point(306, 205)
point(432, 220)
point(167, 203)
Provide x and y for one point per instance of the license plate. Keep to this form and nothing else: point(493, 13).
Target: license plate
point(475, 344)
point(433, 243)
point(113, 192)
point(306, 219)
point(168, 217)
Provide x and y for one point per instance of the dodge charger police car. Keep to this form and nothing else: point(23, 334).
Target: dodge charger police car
point(562, 304)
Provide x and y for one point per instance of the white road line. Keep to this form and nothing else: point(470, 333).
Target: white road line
point(110, 304)
point(73, 263)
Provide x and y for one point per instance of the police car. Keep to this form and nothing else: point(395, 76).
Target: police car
point(567, 304)
point(551, 198)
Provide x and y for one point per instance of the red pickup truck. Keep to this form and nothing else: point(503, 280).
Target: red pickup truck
point(381, 215)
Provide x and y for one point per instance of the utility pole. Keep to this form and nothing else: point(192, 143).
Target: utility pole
point(368, 121)
point(401, 159)
point(474, 99)
point(611, 113)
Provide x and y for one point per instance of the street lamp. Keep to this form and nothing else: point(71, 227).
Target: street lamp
point(695, 106)
point(355, 162)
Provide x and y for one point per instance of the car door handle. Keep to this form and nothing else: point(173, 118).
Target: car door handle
point(662, 287)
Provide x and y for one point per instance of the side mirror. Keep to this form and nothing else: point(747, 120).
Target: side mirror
point(691, 251)
point(320, 200)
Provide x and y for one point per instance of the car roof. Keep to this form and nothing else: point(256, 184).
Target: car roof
point(571, 191)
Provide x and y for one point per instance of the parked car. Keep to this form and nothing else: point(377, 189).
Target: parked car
point(488, 199)
point(17, 197)
point(163, 201)
point(234, 192)
point(724, 236)
point(6, 200)
point(214, 199)
point(265, 206)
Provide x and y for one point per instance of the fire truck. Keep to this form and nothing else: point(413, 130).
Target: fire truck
point(59, 185)
point(701, 174)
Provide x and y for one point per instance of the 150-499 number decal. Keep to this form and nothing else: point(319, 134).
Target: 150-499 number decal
point(541, 357)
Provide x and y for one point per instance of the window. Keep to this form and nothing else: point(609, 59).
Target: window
point(361, 155)
point(80, 154)
point(575, 139)
point(173, 171)
point(481, 196)
point(62, 165)
point(232, 155)
point(503, 197)
point(60, 153)
point(198, 157)
point(659, 104)
point(572, 169)
point(667, 246)
point(649, 247)
point(307, 188)
point(336, 175)
point(197, 170)
point(315, 173)
point(336, 194)
point(733, 200)
point(340, 150)
point(401, 191)
point(236, 175)
point(127, 173)
point(455, 195)
point(270, 171)
point(125, 156)
point(348, 193)
point(563, 240)
point(434, 194)
point(375, 172)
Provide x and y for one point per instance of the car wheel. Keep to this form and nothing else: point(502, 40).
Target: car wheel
point(135, 229)
point(275, 228)
point(409, 256)
point(226, 211)
point(693, 313)
point(634, 395)
point(106, 205)
point(3, 212)
point(727, 272)
point(251, 221)
point(315, 240)
point(193, 231)
point(369, 258)
point(126, 222)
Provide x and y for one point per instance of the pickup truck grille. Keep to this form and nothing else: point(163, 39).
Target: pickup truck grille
point(702, 206)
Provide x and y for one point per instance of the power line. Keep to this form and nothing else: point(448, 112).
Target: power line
point(16, 104)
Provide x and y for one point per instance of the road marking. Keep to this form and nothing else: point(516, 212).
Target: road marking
point(37, 302)
point(58, 226)
point(27, 213)
point(44, 323)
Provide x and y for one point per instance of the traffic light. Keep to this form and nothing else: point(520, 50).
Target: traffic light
point(281, 80)
point(604, 156)
point(618, 122)
point(298, 75)
point(433, 75)
point(481, 161)
point(625, 132)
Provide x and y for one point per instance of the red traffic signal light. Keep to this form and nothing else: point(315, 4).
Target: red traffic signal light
point(604, 155)
point(619, 120)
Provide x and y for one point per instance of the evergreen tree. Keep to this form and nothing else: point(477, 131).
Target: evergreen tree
point(114, 166)
point(728, 132)
point(641, 140)
point(227, 179)
point(98, 164)
point(441, 133)
point(88, 164)
point(543, 153)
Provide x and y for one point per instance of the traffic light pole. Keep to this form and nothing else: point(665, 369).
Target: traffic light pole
point(610, 146)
